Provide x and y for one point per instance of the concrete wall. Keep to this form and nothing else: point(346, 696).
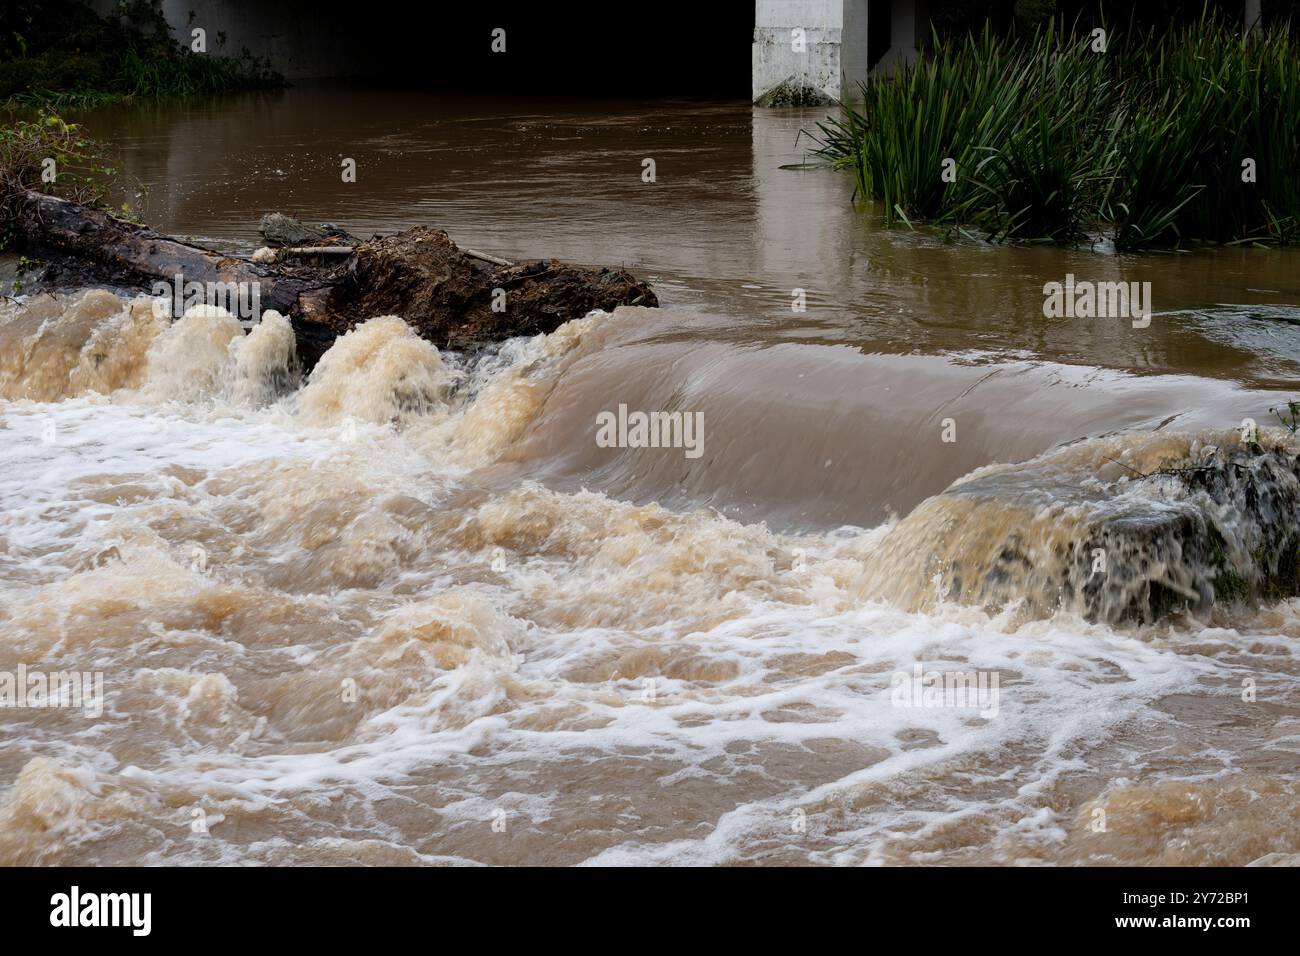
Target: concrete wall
point(680, 48)
point(301, 39)
point(333, 38)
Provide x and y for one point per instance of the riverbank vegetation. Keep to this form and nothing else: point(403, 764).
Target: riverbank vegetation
point(37, 154)
point(1148, 138)
point(61, 53)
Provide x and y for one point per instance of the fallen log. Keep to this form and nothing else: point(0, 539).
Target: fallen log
point(453, 297)
point(90, 247)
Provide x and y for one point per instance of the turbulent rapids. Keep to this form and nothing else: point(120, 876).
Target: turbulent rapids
point(1120, 529)
point(338, 618)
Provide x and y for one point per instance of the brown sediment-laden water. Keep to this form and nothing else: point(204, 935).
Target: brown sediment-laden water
point(437, 607)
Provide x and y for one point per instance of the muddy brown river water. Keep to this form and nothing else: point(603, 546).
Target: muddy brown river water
point(412, 611)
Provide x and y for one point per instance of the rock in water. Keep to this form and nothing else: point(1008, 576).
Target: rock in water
point(1122, 529)
point(281, 230)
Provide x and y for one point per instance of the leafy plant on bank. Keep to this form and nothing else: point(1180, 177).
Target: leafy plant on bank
point(80, 166)
point(1052, 140)
point(60, 53)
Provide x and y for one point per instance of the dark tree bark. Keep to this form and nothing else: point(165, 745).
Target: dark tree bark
point(89, 244)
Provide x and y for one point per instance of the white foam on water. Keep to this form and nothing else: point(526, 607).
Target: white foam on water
point(377, 654)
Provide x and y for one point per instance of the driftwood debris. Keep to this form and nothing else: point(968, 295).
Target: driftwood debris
point(296, 252)
point(454, 297)
point(475, 254)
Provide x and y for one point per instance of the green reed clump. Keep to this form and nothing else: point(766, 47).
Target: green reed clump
point(947, 107)
point(1053, 139)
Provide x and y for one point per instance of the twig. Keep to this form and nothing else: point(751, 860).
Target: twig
point(1130, 468)
point(474, 254)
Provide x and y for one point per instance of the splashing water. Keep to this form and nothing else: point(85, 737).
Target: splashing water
point(339, 620)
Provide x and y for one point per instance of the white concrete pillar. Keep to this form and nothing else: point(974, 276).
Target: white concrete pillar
point(808, 51)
